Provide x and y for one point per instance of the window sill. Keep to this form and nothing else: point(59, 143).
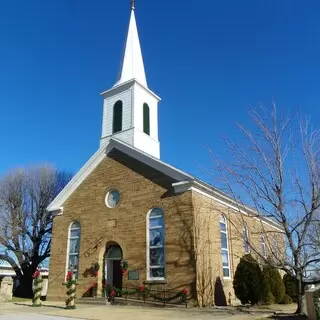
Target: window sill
point(155, 282)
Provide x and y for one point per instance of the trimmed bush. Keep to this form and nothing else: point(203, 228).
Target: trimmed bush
point(286, 299)
point(291, 287)
point(277, 288)
point(247, 281)
point(267, 297)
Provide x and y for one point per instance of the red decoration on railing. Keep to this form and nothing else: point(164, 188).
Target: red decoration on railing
point(36, 274)
point(142, 288)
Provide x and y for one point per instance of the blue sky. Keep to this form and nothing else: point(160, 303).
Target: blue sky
point(208, 60)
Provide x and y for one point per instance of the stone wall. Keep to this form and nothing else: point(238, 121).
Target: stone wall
point(212, 287)
point(193, 248)
point(141, 188)
point(309, 306)
point(6, 289)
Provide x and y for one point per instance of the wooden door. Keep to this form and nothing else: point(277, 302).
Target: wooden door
point(117, 274)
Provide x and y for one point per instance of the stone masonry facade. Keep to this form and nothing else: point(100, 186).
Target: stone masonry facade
point(141, 189)
point(211, 285)
point(193, 249)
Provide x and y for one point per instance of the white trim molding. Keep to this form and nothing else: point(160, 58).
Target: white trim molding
point(217, 195)
point(97, 158)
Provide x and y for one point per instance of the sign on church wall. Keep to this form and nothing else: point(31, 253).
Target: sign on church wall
point(133, 275)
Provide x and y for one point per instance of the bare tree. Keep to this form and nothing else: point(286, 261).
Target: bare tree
point(25, 224)
point(277, 173)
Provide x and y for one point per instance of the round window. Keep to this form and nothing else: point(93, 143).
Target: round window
point(112, 198)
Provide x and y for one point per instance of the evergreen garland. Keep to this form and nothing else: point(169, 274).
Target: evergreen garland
point(37, 289)
point(145, 293)
point(71, 290)
point(316, 303)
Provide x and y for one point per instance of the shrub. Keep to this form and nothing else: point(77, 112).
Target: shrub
point(267, 297)
point(247, 280)
point(277, 288)
point(291, 287)
point(286, 299)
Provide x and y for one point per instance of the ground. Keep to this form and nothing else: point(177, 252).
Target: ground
point(56, 311)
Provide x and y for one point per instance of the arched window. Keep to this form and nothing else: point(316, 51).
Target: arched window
point(263, 246)
point(117, 116)
point(156, 245)
point(245, 239)
point(224, 247)
point(74, 248)
point(146, 119)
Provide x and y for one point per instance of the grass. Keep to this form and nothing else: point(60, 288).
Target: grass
point(17, 299)
point(264, 307)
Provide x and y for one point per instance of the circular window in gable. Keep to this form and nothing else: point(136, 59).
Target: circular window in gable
point(112, 198)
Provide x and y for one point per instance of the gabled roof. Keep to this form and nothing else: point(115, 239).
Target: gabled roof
point(185, 181)
point(94, 161)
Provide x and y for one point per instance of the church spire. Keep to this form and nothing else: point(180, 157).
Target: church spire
point(132, 65)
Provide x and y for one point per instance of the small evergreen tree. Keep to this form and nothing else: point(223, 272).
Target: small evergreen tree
point(248, 280)
point(266, 295)
point(275, 282)
point(291, 288)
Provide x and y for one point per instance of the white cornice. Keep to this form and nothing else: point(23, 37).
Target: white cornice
point(128, 83)
point(217, 195)
point(75, 182)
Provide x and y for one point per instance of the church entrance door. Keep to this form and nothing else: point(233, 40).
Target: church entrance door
point(113, 274)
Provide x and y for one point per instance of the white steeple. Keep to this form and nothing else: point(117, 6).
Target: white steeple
point(130, 108)
point(132, 65)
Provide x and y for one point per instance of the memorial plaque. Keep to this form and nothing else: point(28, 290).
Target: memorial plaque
point(133, 275)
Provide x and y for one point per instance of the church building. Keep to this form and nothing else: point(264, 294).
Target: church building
point(142, 220)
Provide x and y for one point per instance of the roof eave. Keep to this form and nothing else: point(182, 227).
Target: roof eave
point(190, 185)
point(56, 206)
point(128, 82)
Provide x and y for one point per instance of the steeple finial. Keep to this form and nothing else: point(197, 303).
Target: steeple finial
point(133, 4)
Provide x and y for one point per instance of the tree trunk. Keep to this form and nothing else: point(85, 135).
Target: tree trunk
point(24, 283)
point(300, 302)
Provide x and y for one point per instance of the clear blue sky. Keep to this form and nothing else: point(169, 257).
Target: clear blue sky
point(208, 60)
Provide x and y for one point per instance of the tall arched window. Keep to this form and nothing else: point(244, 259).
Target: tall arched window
point(263, 246)
point(117, 116)
point(245, 239)
point(74, 247)
point(224, 247)
point(146, 119)
point(156, 245)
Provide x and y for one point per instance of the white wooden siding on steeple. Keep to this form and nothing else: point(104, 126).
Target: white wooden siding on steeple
point(132, 90)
